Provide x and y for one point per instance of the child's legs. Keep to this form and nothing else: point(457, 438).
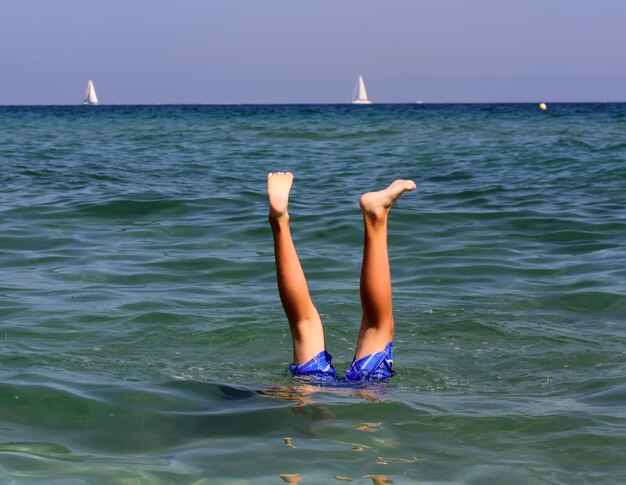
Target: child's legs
point(377, 323)
point(304, 322)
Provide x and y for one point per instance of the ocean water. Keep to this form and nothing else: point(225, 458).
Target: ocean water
point(141, 335)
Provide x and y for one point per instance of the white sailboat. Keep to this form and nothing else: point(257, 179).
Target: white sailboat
point(361, 93)
point(90, 96)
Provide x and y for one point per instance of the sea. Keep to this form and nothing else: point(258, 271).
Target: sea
point(142, 339)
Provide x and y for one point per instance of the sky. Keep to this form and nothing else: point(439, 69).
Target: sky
point(297, 51)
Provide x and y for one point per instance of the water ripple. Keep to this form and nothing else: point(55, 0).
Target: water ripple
point(142, 337)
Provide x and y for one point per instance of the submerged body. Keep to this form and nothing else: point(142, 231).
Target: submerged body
point(373, 358)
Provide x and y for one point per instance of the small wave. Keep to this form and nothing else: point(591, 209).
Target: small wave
point(321, 136)
point(591, 302)
point(130, 208)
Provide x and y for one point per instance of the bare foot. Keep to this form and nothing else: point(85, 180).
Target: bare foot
point(378, 204)
point(278, 187)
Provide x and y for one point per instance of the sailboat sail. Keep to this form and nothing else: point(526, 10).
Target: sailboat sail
point(361, 97)
point(362, 91)
point(90, 96)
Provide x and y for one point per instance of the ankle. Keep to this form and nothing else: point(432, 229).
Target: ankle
point(376, 217)
point(278, 220)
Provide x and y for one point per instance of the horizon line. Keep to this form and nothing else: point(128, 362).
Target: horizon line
point(315, 103)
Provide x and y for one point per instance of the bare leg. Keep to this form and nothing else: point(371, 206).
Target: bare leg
point(307, 333)
point(377, 323)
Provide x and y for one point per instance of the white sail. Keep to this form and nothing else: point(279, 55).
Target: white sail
point(362, 91)
point(90, 96)
point(361, 97)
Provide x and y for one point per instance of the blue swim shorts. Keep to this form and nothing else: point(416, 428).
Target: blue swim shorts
point(372, 367)
point(319, 366)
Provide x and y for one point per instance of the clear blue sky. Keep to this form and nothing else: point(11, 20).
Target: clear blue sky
point(290, 51)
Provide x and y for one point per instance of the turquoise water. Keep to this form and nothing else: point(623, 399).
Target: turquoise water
point(141, 335)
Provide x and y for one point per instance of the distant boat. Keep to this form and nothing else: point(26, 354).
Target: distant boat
point(90, 96)
point(361, 93)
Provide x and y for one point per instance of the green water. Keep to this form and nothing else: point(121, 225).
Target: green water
point(141, 335)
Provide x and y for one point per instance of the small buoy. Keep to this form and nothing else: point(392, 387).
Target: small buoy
point(543, 106)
